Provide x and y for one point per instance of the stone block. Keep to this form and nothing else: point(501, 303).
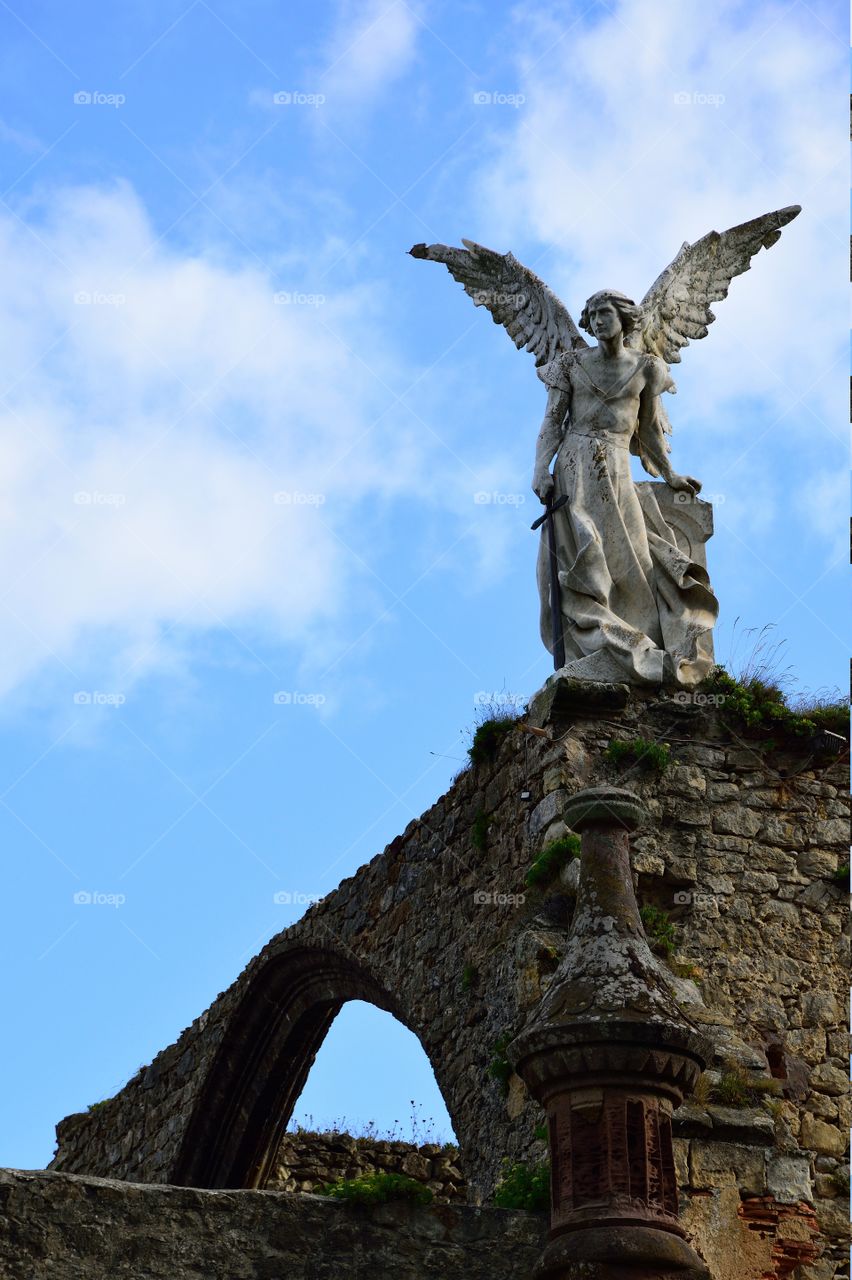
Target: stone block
point(736, 820)
point(788, 1178)
point(546, 811)
point(824, 1138)
point(831, 1079)
point(716, 1164)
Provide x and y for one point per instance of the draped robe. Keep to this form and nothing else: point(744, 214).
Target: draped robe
point(635, 606)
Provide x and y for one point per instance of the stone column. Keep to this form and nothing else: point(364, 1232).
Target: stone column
point(609, 1055)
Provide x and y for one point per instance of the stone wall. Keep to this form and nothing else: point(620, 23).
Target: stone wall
point(58, 1227)
point(307, 1161)
point(742, 843)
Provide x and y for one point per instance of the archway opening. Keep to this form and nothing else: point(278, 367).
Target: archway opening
point(370, 1109)
point(371, 1078)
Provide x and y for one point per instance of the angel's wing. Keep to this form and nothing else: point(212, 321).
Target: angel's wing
point(677, 306)
point(530, 313)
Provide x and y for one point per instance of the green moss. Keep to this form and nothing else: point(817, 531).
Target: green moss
point(659, 930)
point(470, 977)
point(841, 875)
point(479, 831)
point(540, 1133)
point(760, 703)
point(640, 751)
point(96, 1106)
point(499, 1068)
point(488, 737)
point(840, 1181)
point(737, 1088)
point(523, 1186)
point(377, 1188)
point(552, 859)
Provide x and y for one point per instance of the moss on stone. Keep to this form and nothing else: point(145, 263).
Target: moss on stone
point(523, 1186)
point(377, 1188)
point(641, 752)
point(552, 859)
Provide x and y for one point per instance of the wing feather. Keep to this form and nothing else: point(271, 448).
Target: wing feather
point(677, 306)
point(517, 299)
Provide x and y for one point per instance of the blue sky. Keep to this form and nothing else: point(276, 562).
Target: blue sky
point(242, 433)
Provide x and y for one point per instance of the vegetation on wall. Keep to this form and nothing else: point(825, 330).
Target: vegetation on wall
point(639, 752)
point(499, 1068)
point(552, 859)
point(479, 832)
point(659, 930)
point(377, 1188)
point(523, 1186)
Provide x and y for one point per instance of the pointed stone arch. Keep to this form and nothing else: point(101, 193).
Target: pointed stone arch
point(263, 1061)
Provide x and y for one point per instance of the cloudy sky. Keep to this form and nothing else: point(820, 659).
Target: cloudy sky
point(243, 436)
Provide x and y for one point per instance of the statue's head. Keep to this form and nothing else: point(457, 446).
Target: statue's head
point(599, 311)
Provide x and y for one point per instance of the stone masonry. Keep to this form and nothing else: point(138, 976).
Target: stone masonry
point(741, 846)
point(308, 1161)
point(59, 1227)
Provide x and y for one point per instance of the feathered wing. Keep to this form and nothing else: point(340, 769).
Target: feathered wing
point(677, 306)
point(531, 314)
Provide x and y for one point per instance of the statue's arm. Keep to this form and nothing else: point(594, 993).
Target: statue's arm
point(549, 440)
point(653, 449)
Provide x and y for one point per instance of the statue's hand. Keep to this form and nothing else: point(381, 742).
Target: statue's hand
point(543, 485)
point(687, 484)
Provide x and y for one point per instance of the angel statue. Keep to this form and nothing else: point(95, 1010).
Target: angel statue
point(622, 575)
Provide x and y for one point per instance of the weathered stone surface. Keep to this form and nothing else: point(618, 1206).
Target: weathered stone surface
point(816, 1135)
point(788, 1178)
point(829, 1078)
point(59, 1227)
point(404, 935)
point(308, 1161)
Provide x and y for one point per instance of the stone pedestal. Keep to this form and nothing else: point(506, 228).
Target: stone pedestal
point(610, 1056)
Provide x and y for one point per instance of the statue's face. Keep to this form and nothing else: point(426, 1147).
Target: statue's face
point(604, 319)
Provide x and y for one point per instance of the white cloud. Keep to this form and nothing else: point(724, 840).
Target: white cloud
point(153, 406)
point(608, 170)
point(373, 44)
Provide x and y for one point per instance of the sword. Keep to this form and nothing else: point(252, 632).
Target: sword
point(555, 608)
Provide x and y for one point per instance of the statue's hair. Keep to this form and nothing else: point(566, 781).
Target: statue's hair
point(627, 309)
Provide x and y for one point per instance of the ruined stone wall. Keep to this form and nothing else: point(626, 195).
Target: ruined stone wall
point(307, 1161)
point(741, 847)
point(59, 1227)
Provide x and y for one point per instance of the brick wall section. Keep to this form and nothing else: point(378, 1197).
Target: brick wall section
point(753, 835)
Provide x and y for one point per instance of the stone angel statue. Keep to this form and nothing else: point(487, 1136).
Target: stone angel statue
point(622, 575)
